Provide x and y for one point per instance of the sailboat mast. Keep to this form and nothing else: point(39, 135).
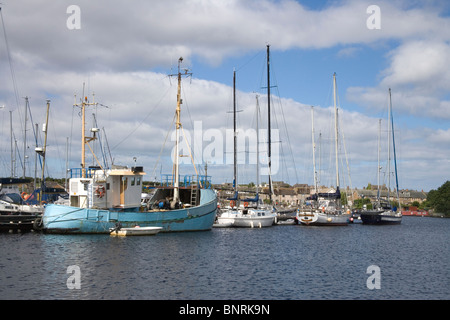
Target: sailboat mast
point(378, 167)
point(234, 134)
point(12, 152)
point(257, 144)
point(83, 140)
point(336, 131)
point(268, 124)
point(393, 147)
point(389, 149)
point(44, 153)
point(314, 149)
point(25, 137)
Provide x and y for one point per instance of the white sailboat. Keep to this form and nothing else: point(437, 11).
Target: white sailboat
point(16, 211)
point(326, 209)
point(251, 213)
point(384, 213)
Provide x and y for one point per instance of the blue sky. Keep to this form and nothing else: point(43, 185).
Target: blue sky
point(123, 51)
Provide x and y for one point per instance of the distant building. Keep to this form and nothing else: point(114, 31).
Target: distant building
point(296, 195)
point(407, 197)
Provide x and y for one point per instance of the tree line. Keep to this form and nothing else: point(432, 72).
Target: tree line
point(439, 200)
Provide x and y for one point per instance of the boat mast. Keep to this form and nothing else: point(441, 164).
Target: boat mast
point(257, 143)
point(393, 146)
point(234, 134)
point(176, 191)
point(84, 139)
point(389, 150)
point(336, 132)
point(314, 149)
point(378, 167)
point(45, 129)
point(25, 137)
point(12, 152)
point(268, 124)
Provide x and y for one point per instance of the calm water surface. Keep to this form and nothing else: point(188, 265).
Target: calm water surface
point(278, 263)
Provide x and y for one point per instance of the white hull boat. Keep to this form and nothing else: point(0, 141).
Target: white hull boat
point(136, 231)
point(317, 218)
point(246, 218)
point(326, 209)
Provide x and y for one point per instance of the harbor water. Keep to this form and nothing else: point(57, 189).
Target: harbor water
point(289, 262)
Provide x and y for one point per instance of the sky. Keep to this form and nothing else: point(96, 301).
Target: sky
point(120, 54)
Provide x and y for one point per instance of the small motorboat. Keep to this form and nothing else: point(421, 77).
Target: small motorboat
point(136, 231)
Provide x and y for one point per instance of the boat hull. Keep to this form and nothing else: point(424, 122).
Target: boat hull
point(254, 222)
point(380, 218)
point(255, 218)
point(67, 219)
point(136, 231)
point(323, 219)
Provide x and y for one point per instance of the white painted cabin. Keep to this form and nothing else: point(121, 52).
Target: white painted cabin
point(119, 187)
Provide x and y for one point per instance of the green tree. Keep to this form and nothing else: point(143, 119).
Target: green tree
point(344, 198)
point(439, 199)
point(359, 203)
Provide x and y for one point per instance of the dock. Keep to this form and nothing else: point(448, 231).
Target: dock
point(18, 222)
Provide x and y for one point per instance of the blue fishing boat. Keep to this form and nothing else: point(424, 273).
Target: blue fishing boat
point(101, 199)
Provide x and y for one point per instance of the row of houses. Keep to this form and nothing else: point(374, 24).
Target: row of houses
point(296, 195)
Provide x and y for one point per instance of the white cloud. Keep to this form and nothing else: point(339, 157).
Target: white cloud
point(150, 33)
point(420, 64)
point(418, 79)
point(119, 44)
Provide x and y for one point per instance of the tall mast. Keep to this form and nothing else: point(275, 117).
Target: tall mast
point(84, 139)
point(176, 191)
point(314, 149)
point(25, 137)
point(336, 131)
point(378, 167)
point(35, 156)
point(12, 152)
point(268, 124)
point(389, 149)
point(234, 134)
point(44, 152)
point(257, 144)
point(393, 146)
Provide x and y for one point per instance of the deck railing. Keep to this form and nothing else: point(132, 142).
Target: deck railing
point(204, 182)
